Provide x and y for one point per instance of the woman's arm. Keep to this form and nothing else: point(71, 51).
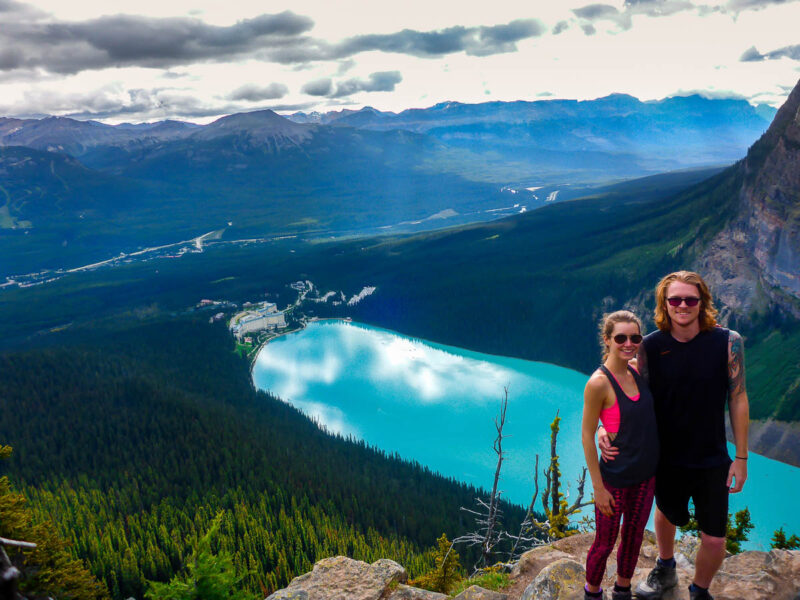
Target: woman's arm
point(594, 395)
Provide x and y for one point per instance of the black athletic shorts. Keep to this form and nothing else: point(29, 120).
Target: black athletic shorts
point(707, 487)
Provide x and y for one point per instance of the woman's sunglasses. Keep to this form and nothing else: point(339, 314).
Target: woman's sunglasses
point(690, 301)
point(621, 337)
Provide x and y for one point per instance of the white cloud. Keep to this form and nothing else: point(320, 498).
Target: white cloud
point(221, 57)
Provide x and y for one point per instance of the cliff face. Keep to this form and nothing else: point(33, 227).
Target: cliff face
point(753, 263)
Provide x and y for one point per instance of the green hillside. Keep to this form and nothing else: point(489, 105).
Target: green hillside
point(132, 443)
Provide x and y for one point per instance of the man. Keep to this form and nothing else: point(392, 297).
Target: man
point(693, 368)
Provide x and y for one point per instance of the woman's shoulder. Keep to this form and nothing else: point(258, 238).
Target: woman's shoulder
point(598, 382)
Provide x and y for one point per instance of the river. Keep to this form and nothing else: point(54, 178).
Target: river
point(436, 404)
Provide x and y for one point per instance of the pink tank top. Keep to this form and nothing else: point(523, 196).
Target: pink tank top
point(610, 417)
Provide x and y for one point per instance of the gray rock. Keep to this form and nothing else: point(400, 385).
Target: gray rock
point(475, 592)
point(688, 545)
point(342, 578)
point(287, 594)
point(405, 592)
point(561, 580)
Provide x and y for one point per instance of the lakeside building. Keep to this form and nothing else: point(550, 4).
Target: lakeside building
point(266, 316)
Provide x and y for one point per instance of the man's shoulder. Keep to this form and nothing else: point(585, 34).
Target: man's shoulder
point(655, 338)
point(722, 333)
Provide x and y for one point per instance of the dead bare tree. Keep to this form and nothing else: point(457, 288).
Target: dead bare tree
point(488, 514)
point(532, 532)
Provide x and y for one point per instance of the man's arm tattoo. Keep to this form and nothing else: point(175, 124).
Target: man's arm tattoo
point(735, 364)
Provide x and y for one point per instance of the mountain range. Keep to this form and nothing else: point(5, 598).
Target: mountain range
point(76, 192)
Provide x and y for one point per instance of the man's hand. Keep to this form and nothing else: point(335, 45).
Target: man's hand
point(607, 451)
point(604, 501)
point(737, 475)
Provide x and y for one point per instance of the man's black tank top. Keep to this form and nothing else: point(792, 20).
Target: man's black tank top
point(637, 438)
point(689, 381)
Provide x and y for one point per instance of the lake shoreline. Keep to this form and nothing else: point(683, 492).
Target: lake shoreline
point(434, 404)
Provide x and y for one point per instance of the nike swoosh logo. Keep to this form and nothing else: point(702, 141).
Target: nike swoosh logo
point(665, 352)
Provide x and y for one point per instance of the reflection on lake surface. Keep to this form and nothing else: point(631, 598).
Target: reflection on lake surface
point(436, 404)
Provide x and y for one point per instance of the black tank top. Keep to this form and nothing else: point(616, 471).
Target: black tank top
point(637, 438)
point(689, 381)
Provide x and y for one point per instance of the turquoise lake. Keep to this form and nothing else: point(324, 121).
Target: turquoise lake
point(435, 404)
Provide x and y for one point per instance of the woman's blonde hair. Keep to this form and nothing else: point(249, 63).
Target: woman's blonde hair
point(607, 326)
point(708, 313)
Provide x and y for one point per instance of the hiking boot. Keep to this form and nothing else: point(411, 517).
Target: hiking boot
point(659, 580)
point(618, 595)
point(586, 595)
point(699, 594)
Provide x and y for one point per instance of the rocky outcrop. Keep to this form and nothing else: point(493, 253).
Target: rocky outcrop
point(342, 578)
point(556, 572)
point(405, 592)
point(754, 261)
point(561, 580)
point(475, 592)
point(753, 575)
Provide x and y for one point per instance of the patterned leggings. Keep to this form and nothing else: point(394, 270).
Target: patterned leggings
point(634, 503)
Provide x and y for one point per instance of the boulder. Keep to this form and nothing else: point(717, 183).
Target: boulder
point(405, 592)
point(342, 578)
point(476, 592)
point(561, 580)
point(535, 560)
point(754, 574)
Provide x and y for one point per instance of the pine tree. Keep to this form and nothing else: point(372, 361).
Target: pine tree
point(209, 576)
point(738, 533)
point(781, 542)
point(48, 569)
point(448, 570)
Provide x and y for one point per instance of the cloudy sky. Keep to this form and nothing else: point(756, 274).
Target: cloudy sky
point(145, 60)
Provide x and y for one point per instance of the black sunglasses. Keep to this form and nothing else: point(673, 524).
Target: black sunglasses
point(689, 300)
point(621, 337)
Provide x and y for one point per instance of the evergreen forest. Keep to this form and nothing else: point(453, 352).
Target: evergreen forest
point(132, 444)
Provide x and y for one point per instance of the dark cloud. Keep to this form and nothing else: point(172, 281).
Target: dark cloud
point(174, 75)
point(560, 27)
point(123, 40)
point(9, 9)
point(596, 11)
point(657, 8)
point(255, 93)
point(345, 66)
point(753, 55)
point(383, 81)
point(475, 41)
point(126, 40)
point(591, 13)
point(740, 5)
point(318, 87)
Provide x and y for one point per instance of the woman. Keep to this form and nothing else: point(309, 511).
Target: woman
point(616, 395)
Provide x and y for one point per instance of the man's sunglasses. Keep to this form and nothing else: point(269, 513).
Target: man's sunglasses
point(621, 337)
point(690, 301)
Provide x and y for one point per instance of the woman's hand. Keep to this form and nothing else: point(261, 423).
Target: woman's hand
point(604, 501)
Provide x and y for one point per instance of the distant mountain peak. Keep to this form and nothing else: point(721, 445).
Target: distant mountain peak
point(257, 125)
